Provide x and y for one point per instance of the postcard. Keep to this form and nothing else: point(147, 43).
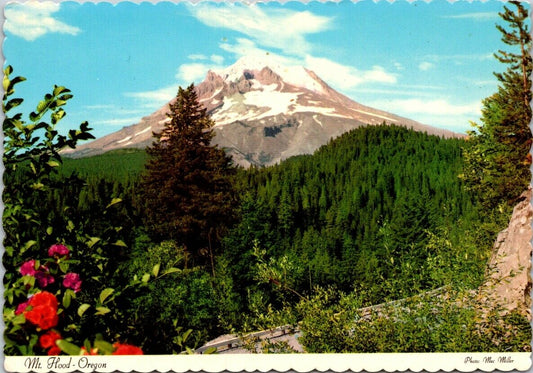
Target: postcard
point(240, 186)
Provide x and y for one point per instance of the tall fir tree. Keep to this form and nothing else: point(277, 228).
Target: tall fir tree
point(497, 160)
point(187, 188)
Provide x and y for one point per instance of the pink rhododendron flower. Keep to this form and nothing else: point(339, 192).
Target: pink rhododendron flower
point(58, 250)
point(72, 281)
point(28, 268)
point(44, 279)
point(22, 307)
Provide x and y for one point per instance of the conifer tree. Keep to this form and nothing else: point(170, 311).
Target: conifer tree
point(187, 186)
point(497, 159)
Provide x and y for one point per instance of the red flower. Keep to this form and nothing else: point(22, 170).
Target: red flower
point(45, 317)
point(44, 310)
point(124, 349)
point(54, 351)
point(44, 298)
point(49, 339)
point(72, 281)
point(28, 268)
point(57, 250)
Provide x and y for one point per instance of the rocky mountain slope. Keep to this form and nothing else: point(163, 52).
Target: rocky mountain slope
point(264, 113)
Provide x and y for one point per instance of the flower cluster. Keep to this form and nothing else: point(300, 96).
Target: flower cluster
point(48, 341)
point(44, 308)
point(41, 310)
point(42, 274)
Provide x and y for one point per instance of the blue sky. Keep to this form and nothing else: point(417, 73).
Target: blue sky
point(431, 62)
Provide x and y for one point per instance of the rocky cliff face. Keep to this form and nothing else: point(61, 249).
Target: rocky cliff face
point(508, 282)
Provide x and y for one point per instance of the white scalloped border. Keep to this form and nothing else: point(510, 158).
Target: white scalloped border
point(371, 362)
point(431, 362)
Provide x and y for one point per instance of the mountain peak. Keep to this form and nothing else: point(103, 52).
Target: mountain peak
point(290, 73)
point(266, 108)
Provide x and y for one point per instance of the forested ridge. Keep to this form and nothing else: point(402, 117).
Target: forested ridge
point(380, 210)
point(352, 213)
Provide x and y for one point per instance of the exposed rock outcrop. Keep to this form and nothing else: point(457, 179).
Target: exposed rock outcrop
point(508, 282)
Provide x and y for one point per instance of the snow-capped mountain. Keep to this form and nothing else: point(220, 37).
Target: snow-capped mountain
point(264, 113)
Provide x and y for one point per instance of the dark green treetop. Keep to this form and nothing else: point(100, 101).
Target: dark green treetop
point(497, 158)
point(187, 187)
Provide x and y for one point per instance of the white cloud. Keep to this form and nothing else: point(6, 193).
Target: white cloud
point(425, 66)
point(116, 121)
point(282, 29)
point(396, 92)
point(477, 16)
point(345, 77)
point(215, 58)
point(337, 75)
point(243, 47)
point(114, 115)
point(192, 72)
point(196, 57)
point(33, 19)
point(438, 112)
point(156, 98)
point(430, 106)
point(398, 66)
point(115, 110)
point(459, 57)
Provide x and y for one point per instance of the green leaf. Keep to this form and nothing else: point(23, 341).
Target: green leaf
point(19, 319)
point(103, 346)
point(186, 335)
point(49, 230)
point(5, 84)
point(60, 89)
point(63, 267)
point(81, 309)
point(105, 293)
point(146, 277)
point(58, 115)
point(210, 351)
point(92, 241)
point(28, 281)
point(29, 244)
point(37, 186)
point(171, 270)
point(155, 270)
point(70, 226)
point(65, 97)
point(42, 106)
point(114, 201)
point(120, 243)
point(87, 345)
point(102, 310)
point(68, 348)
point(13, 103)
point(66, 299)
point(53, 163)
